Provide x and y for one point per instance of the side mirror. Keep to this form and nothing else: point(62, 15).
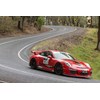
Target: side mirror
point(74, 58)
point(49, 56)
point(33, 52)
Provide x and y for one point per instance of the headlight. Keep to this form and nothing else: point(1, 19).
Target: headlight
point(87, 65)
point(68, 64)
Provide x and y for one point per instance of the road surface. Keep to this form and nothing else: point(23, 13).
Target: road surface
point(14, 59)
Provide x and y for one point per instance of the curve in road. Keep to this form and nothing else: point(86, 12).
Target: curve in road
point(14, 59)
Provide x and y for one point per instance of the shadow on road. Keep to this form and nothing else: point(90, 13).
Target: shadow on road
point(61, 75)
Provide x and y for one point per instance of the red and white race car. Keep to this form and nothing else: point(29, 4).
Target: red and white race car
point(59, 63)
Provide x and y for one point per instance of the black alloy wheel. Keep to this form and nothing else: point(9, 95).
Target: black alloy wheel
point(58, 69)
point(33, 64)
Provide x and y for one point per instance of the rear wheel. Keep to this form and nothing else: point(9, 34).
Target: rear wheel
point(33, 64)
point(58, 69)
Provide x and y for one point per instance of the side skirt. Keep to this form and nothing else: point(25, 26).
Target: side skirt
point(46, 69)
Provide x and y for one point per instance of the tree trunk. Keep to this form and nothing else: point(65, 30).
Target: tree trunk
point(13, 17)
point(19, 27)
point(69, 19)
point(23, 19)
point(21, 23)
point(73, 22)
point(78, 21)
point(98, 35)
point(91, 22)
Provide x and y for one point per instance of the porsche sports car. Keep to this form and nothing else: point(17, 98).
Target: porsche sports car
point(59, 63)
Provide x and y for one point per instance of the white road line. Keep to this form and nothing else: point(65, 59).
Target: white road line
point(3, 81)
point(23, 38)
point(19, 52)
point(26, 61)
point(32, 74)
point(18, 40)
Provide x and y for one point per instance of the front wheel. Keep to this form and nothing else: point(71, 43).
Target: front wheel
point(58, 69)
point(33, 64)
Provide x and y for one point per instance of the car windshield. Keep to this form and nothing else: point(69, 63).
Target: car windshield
point(63, 55)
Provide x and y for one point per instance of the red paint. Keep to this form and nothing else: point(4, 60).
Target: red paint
point(81, 69)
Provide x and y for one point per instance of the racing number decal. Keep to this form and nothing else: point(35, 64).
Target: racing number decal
point(46, 61)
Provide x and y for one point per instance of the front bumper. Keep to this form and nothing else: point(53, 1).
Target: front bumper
point(78, 73)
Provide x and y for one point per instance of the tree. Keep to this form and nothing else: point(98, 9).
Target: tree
point(40, 22)
point(98, 35)
point(91, 21)
point(21, 23)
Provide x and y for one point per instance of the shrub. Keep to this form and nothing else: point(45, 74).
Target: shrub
point(40, 22)
point(6, 24)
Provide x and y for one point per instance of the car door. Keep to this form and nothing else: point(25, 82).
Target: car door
point(43, 60)
point(46, 60)
point(50, 60)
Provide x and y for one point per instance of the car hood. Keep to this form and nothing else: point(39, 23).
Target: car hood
point(76, 64)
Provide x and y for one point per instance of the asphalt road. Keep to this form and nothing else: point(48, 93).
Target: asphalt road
point(14, 59)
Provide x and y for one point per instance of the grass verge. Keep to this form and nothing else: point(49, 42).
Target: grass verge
point(81, 48)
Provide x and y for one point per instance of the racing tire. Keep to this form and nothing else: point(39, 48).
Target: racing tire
point(58, 69)
point(33, 64)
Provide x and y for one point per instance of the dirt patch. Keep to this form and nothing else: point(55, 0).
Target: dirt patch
point(62, 42)
point(74, 37)
point(27, 31)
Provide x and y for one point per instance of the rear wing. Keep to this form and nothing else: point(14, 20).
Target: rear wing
point(35, 52)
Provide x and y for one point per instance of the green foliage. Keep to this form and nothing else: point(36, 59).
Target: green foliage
point(95, 21)
point(11, 23)
point(6, 24)
point(83, 51)
point(40, 22)
point(80, 21)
